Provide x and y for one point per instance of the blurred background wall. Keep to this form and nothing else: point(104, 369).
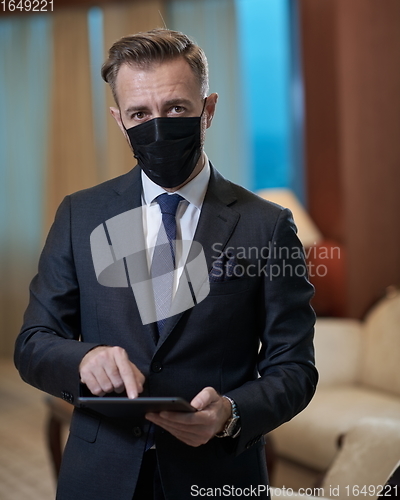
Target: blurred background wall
point(309, 100)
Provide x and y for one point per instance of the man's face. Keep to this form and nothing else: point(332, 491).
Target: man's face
point(168, 89)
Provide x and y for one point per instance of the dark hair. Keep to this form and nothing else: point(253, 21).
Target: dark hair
point(158, 45)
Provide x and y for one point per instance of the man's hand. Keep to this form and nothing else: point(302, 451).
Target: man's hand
point(197, 428)
point(107, 369)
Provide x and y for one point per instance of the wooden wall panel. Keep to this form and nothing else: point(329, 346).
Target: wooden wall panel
point(322, 121)
point(351, 52)
point(369, 80)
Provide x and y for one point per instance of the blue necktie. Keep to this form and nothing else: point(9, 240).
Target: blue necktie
point(162, 269)
point(163, 264)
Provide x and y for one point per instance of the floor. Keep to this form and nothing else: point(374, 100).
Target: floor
point(25, 472)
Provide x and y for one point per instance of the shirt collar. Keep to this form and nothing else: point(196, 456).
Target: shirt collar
point(194, 191)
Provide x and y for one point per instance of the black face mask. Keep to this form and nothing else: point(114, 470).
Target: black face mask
point(167, 149)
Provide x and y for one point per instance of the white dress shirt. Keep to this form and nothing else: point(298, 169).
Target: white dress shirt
point(187, 214)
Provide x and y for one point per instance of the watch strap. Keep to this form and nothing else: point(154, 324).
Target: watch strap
point(232, 427)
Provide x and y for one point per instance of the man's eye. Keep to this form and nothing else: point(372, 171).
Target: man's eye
point(138, 116)
point(178, 109)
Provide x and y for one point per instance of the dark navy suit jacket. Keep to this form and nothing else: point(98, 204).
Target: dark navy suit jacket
point(250, 339)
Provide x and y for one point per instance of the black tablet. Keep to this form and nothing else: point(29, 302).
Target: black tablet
point(114, 405)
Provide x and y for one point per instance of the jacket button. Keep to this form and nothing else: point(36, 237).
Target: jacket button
point(250, 443)
point(156, 367)
point(137, 431)
point(67, 396)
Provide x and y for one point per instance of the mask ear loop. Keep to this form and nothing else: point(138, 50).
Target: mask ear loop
point(120, 117)
point(204, 107)
point(126, 131)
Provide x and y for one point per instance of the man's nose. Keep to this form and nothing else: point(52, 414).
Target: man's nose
point(160, 114)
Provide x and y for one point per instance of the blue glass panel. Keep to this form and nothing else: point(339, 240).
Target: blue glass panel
point(96, 44)
point(267, 59)
point(24, 102)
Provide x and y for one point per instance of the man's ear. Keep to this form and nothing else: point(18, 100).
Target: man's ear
point(210, 107)
point(115, 112)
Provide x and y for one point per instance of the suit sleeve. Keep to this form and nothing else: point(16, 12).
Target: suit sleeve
point(48, 350)
point(287, 374)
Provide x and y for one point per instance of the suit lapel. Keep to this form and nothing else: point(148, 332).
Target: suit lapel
point(218, 219)
point(129, 191)
point(217, 222)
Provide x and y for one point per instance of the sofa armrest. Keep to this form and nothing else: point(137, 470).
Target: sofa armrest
point(338, 350)
point(368, 455)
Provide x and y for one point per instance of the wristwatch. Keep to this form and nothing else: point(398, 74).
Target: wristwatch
point(232, 427)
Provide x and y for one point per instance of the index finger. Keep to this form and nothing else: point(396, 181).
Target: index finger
point(131, 376)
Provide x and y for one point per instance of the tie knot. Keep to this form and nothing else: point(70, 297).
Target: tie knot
point(169, 203)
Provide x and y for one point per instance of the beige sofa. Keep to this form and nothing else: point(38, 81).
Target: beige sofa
point(369, 454)
point(359, 365)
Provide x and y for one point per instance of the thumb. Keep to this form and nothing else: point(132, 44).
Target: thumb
point(205, 398)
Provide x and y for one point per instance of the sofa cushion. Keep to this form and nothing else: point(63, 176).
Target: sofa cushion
point(381, 346)
point(311, 437)
point(337, 350)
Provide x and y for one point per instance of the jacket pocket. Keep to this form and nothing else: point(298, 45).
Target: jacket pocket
point(229, 287)
point(84, 426)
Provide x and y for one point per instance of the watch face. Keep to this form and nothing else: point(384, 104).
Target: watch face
point(232, 426)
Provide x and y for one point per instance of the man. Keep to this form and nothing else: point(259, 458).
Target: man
point(242, 354)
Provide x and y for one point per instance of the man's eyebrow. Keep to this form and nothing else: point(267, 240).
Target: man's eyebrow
point(136, 108)
point(179, 101)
